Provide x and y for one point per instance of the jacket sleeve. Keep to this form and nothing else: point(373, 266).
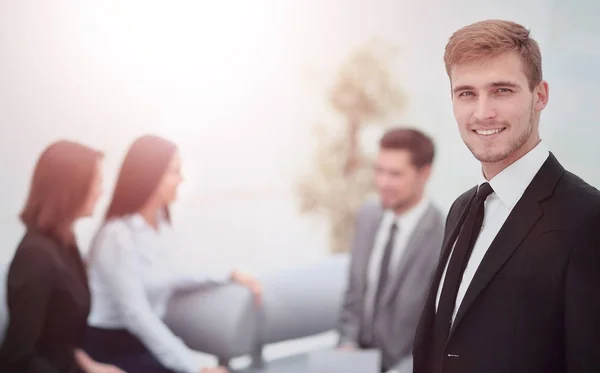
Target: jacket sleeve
point(582, 301)
point(352, 304)
point(29, 284)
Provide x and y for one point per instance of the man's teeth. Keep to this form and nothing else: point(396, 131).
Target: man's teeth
point(488, 132)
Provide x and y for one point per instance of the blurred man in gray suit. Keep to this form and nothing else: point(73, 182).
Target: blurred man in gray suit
point(395, 251)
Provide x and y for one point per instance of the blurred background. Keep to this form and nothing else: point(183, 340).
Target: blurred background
point(262, 97)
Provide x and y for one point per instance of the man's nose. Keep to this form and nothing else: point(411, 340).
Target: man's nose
point(484, 110)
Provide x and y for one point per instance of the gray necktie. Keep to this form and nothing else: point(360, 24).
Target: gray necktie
point(384, 268)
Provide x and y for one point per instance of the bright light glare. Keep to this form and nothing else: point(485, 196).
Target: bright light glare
point(184, 53)
point(199, 63)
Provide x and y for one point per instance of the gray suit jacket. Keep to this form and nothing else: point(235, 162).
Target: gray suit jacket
point(405, 294)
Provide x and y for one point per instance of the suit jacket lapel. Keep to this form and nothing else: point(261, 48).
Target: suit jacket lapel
point(453, 225)
point(414, 244)
point(521, 220)
point(449, 239)
point(370, 237)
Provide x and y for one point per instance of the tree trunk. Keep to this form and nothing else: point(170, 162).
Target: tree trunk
point(352, 156)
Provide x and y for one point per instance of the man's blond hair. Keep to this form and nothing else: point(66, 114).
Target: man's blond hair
point(491, 38)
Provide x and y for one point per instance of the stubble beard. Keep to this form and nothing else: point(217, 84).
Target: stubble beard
point(513, 145)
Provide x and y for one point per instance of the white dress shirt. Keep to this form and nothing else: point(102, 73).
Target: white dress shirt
point(406, 223)
point(133, 271)
point(509, 185)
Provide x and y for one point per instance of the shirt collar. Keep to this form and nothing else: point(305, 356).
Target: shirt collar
point(139, 223)
point(410, 218)
point(510, 184)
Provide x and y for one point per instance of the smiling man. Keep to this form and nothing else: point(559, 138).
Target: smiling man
point(517, 288)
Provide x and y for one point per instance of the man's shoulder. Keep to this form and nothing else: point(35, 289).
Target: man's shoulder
point(580, 187)
point(576, 194)
point(435, 210)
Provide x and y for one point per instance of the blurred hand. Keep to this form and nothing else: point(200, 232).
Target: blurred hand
point(215, 370)
point(249, 282)
point(89, 365)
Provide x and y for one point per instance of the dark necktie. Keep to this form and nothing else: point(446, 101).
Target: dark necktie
point(458, 262)
point(384, 268)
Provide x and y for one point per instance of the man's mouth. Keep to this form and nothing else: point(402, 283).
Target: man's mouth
point(489, 132)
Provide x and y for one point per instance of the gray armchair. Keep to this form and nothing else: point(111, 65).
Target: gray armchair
point(297, 302)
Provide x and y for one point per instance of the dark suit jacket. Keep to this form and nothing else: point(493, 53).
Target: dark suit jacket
point(534, 303)
point(49, 302)
point(404, 295)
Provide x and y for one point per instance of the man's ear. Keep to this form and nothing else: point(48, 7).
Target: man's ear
point(541, 94)
point(425, 172)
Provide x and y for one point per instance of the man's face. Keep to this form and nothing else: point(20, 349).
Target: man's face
point(400, 184)
point(496, 112)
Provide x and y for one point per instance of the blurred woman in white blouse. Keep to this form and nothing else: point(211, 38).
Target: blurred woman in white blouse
point(133, 270)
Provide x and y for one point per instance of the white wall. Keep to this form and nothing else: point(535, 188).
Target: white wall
point(228, 82)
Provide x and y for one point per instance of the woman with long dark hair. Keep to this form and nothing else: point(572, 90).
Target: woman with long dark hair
point(47, 290)
point(133, 271)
